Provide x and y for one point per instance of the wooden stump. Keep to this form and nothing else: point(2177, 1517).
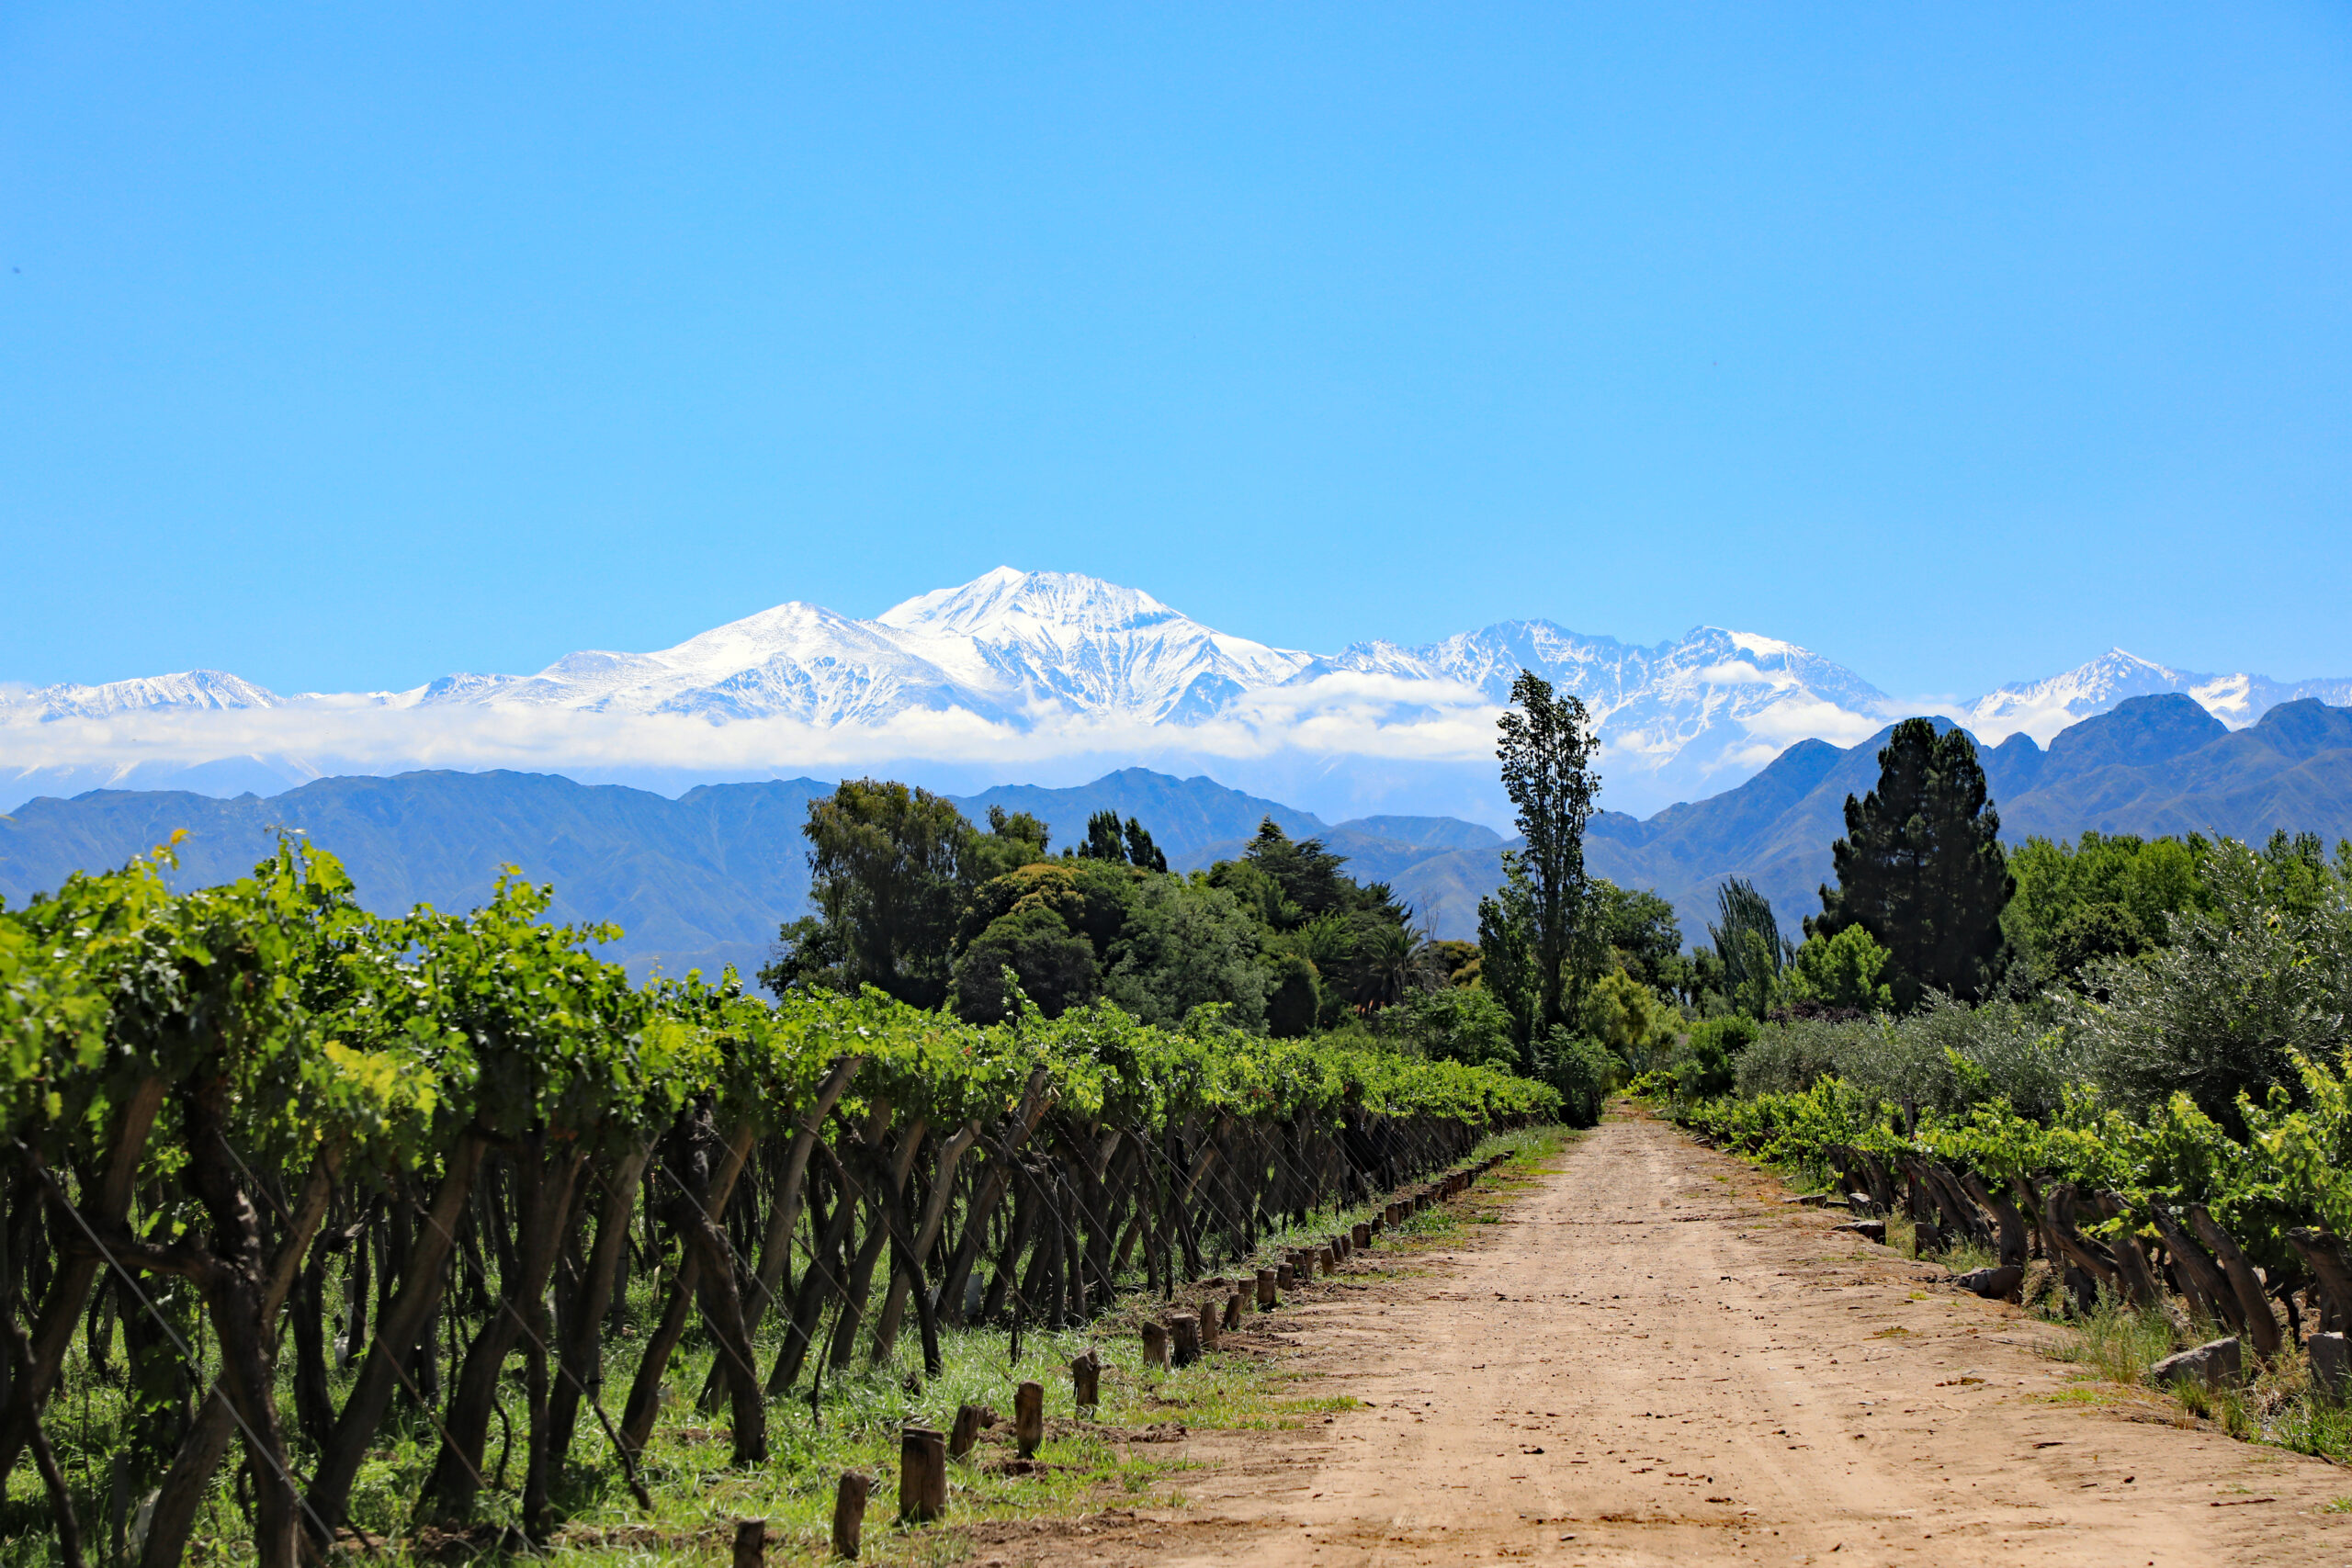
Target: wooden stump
point(965, 1432)
point(1155, 1348)
point(1330, 1263)
point(922, 1474)
point(1212, 1316)
point(849, 1512)
point(1924, 1240)
point(1086, 1381)
point(1184, 1334)
point(751, 1543)
point(1029, 1417)
point(1267, 1285)
point(1340, 1246)
point(1233, 1312)
point(1284, 1277)
point(1363, 1236)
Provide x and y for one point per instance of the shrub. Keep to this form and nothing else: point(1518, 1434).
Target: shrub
point(1582, 1069)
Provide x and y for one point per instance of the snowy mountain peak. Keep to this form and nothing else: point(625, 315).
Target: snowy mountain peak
point(2042, 708)
point(1009, 601)
point(214, 690)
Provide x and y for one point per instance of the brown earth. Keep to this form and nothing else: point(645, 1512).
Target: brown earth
point(1649, 1358)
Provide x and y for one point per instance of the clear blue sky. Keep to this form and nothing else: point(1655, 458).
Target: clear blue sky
point(344, 345)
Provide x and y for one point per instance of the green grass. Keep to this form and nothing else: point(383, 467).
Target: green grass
point(2278, 1404)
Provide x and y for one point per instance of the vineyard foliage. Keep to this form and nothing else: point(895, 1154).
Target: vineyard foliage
point(435, 1146)
point(2171, 1121)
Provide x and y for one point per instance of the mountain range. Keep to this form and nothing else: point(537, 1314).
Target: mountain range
point(1017, 673)
point(706, 878)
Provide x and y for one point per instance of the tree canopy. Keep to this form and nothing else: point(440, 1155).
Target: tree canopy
point(1921, 867)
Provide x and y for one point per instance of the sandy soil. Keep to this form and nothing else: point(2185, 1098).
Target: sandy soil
point(1651, 1358)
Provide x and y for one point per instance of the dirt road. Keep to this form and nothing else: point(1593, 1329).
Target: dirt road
point(1650, 1359)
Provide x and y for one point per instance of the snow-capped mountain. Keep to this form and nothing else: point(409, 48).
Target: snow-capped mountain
point(1018, 669)
point(1691, 708)
point(193, 689)
point(1010, 647)
point(2042, 708)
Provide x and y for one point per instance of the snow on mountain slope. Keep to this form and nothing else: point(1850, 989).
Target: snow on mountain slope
point(213, 690)
point(1713, 701)
point(1009, 647)
point(1060, 638)
point(1014, 670)
point(2042, 708)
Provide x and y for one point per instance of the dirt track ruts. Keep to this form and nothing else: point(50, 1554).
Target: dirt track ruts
point(1649, 1358)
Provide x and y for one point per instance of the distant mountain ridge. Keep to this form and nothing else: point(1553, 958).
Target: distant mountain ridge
point(1014, 668)
point(696, 881)
point(706, 878)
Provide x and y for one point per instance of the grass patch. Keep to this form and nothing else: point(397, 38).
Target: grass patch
point(2118, 1343)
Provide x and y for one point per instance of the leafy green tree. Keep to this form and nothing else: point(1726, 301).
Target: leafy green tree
point(2139, 884)
point(1308, 874)
point(1185, 945)
point(2091, 932)
point(1142, 854)
point(1748, 944)
point(1548, 750)
point(1921, 868)
point(1128, 845)
point(1628, 1017)
point(1054, 966)
point(1507, 956)
point(1641, 933)
point(1842, 971)
point(1294, 1002)
point(888, 866)
point(1089, 896)
point(1013, 839)
point(1103, 840)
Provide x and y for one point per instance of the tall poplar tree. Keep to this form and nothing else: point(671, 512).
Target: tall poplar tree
point(1921, 868)
point(1547, 747)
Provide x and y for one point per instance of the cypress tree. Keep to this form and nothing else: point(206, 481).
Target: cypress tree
point(1921, 868)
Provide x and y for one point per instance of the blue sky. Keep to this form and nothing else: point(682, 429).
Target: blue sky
point(342, 347)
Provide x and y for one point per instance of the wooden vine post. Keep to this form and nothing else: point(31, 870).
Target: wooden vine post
point(1029, 1418)
point(849, 1512)
point(970, 1419)
point(922, 1474)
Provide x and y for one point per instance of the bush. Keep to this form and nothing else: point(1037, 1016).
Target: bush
point(1703, 1067)
point(1944, 1057)
point(1457, 1024)
point(1843, 971)
point(1789, 1058)
point(1582, 1069)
